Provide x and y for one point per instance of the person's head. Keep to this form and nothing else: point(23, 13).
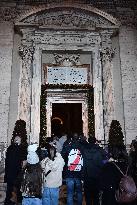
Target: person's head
point(75, 137)
point(51, 153)
point(133, 145)
point(17, 140)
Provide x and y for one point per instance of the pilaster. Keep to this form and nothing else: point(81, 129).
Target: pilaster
point(26, 53)
point(106, 55)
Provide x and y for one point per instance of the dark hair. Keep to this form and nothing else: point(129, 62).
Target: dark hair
point(32, 180)
point(51, 152)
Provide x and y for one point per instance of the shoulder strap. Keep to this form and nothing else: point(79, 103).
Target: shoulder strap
point(47, 173)
point(119, 169)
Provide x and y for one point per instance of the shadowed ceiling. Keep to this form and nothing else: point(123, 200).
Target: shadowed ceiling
point(98, 3)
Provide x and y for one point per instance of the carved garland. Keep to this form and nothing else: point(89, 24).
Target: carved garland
point(90, 95)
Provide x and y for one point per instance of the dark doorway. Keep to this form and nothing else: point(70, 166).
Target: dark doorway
point(66, 117)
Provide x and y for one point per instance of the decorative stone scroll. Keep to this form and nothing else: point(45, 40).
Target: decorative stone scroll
point(67, 60)
point(26, 53)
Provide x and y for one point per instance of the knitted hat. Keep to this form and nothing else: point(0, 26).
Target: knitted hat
point(32, 157)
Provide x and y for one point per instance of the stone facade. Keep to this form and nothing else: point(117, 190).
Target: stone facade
point(128, 56)
point(105, 30)
point(6, 48)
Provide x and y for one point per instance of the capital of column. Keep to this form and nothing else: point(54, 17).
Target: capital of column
point(26, 52)
point(107, 54)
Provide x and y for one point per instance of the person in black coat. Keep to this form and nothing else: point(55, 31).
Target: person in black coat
point(133, 160)
point(110, 176)
point(93, 160)
point(15, 155)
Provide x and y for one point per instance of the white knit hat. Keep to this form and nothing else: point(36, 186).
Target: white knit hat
point(32, 157)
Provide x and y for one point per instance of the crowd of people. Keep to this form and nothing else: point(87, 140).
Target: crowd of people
point(35, 174)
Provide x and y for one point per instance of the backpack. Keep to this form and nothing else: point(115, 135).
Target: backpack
point(75, 160)
point(127, 191)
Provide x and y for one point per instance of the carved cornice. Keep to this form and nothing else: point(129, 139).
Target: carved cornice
point(63, 38)
point(67, 59)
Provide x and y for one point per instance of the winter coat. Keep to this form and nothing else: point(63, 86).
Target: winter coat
point(93, 158)
point(54, 178)
point(133, 165)
point(13, 163)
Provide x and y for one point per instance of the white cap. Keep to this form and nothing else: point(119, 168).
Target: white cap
point(32, 157)
point(32, 147)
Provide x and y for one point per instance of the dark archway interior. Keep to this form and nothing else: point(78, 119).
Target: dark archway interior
point(66, 118)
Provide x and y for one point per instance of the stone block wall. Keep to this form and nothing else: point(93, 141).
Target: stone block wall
point(128, 57)
point(6, 46)
point(15, 76)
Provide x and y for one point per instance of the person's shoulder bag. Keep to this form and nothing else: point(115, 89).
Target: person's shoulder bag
point(127, 190)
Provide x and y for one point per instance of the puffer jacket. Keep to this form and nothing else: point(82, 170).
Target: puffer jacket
point(54, 178)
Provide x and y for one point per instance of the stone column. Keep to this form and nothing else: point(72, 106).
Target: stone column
point(36, 92)
point(107, 66)
point(98, 103)
point(26, 53)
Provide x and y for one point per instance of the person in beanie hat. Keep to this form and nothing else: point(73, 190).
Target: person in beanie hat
point(31, 185)
point(32, 157)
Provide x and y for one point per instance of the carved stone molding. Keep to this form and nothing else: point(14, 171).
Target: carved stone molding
point(107, 54)
point(68, 19)
point(67, 5)
point(63, 38)
point(67, 59)
point(26, 53)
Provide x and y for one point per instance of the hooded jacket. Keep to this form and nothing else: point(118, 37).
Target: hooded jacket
point(54, 178)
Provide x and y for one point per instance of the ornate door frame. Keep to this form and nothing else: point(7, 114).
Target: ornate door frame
point(59, 99)
point(97, 85)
